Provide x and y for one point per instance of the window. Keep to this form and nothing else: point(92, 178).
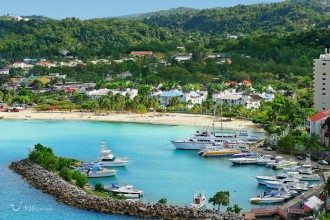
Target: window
point(324, 64)
point(323, 88)
point(323, 93)
point(323, 108)
point(324, 74)
point(323, 84)
point(323, 78)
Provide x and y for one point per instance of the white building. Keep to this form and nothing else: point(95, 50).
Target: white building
point(314, 125)
point(322, 82)
point(183, 58)
point(186, 96)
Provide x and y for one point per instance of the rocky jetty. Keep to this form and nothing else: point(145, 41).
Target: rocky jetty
point(73, 196)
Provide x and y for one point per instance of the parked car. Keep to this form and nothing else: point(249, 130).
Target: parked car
point(323, 162)
point(268, 149)
point(300, 158)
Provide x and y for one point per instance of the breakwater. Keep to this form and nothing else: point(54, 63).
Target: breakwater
point(71, 195)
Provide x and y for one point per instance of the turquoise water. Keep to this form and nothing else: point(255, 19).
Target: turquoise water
point(155, 166)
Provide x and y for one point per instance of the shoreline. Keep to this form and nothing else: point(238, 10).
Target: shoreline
point(73, 196)
point(148, 118)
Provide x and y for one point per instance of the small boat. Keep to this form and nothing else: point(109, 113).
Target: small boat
point(96, 170)
point(199, 200)
point(107, 159)
point(264, 160)
point(240, 155)
point(284, 163)
point(247, 158)
point(243, 160)
point(218, 150)
point(266, 199)
point(127, 190)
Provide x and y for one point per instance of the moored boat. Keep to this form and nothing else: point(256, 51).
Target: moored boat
point(127, 190)
point(107, 158)
point(266, 199)
point(218, 150)
point(199, 200)
point(96, 170)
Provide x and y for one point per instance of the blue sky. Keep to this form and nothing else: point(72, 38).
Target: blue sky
point(87, 9)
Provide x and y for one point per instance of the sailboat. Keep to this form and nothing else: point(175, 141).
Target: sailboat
point(197, 140)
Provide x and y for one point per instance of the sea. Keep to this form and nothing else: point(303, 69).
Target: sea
point(155, 166)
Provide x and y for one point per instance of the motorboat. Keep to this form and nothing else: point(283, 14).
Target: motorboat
point(267, 199)
point(262, 179)
point(240, 155)
point(284, 163)
point(288, 177)
point(199, 139)
point(218, 150)
point(92, 170)
point(264, 160)
point(244, 160)
point(199, 200)
point(249, 158)
point(127, 190)
point(107, 158)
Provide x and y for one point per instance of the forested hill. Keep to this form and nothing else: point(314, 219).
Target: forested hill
point(271, 18)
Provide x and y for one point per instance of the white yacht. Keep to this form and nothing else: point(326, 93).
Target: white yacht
point(199, 200)
point(92, 170)
point(267, 199)
point(127, 190)
point(199, 139)
point(252, 159)
point(107, 159)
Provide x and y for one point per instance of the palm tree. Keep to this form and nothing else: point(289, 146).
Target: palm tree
point(313, 144)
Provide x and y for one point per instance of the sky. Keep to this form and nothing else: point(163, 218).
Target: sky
point(87, 9)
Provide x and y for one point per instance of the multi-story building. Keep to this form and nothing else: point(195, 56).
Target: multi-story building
point(322, 82)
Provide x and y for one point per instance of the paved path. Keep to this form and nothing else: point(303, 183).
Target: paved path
point(295, 203)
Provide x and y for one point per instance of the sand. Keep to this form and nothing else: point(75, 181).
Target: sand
point(152, 118)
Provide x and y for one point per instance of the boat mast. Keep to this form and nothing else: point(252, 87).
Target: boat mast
point(221, 118)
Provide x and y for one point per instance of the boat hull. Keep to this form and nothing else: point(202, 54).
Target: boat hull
point(220, 153)
point(101, 174)
point(259, 200)
point(116, 163)
point(185, 145)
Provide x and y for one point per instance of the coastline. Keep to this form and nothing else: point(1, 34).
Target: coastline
point(71, 195)
point(149, 118)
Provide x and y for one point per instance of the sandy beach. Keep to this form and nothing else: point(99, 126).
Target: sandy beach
point(152, 118)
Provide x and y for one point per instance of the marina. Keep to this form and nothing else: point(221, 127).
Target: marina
point(155, 166)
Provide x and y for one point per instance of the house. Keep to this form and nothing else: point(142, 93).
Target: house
point(141, 53)
point(63, 52)
point(231, 99)
point(4, 72)
point(315, 125)
point(57, 75)
point(95, 94)
point(247, 83)
point(18, 65)
point(180, 58)
point(44, 64)
point(191, 96)
point(166, 96)
point(253, 101)
point(123, 75)
point(213, 56)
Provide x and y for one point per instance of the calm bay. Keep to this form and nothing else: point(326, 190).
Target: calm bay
point(155, 166)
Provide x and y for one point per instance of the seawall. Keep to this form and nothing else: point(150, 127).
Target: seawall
point(71, 195)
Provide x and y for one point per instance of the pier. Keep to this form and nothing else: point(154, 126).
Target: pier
point(290, 210)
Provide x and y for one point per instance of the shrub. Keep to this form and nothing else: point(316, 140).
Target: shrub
point(99, 187)
point(120, 197)
point(162, 201)
point(66, 174)
point(81, 180)
point(75, 174)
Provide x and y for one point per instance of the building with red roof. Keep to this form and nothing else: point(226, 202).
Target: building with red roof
point(315, 124)
point(142, 53)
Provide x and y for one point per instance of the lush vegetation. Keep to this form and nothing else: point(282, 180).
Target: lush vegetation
point(45, 157)
point(220, 198)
